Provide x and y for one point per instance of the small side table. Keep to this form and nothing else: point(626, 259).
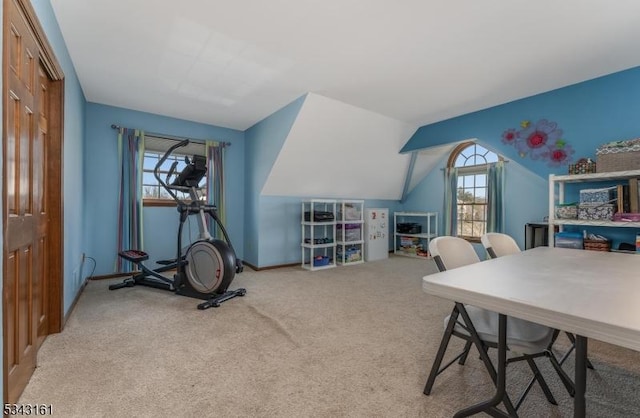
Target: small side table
point(536, 234)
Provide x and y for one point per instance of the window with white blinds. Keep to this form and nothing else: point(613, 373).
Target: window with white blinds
point(154, 149)
point(161, 145)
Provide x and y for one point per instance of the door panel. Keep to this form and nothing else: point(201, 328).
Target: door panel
point(32, 209)
point(38, 195)
point(22, 223)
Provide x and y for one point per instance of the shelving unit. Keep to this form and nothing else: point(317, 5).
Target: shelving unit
point(318, 245)
point(414, 244)
point(349, 232)
point(558, 182)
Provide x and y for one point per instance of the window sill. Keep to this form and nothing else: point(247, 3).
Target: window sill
point(474, 240)
point(159, 202)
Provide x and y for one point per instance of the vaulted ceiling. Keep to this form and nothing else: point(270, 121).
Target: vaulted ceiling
point(232, 63)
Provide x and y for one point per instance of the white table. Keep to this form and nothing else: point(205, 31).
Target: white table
point(592, 294)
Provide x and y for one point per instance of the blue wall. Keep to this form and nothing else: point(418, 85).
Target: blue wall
point(589, 113)
point(526, 196)
point(272, 230)
point(264, 215)
point(160, 224)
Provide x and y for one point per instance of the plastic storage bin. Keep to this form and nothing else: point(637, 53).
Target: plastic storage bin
point(320, 261)
point(351, 254)
point(351, 212)
point(350, 232)
point(569, 240)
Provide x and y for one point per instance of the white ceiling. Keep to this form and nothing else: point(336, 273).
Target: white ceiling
point(232, 63)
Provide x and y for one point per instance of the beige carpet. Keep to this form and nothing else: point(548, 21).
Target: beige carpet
point(354, 341)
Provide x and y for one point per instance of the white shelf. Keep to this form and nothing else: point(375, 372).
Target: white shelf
point(313, 230)
point(422, 214)
point(429, 236)
point(313, 268)
point(557, 196)
point(350, 225)
point(429, 230)
point(614, 175)
point(328, 245)
point(611, 224)
point(351, 263)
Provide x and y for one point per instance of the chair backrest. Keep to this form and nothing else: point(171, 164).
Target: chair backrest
point(452, 252)
point(499, 245)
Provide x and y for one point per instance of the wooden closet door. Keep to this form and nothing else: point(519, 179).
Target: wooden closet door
point(24, 216)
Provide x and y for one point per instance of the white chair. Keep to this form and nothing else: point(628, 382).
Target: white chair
point(498, 245)
point(527, 339)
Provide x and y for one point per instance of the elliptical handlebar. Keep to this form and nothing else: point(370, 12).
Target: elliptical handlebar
point(172, 170)
point(156, 169)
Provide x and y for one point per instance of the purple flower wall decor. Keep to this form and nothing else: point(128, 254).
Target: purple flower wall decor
point(540, 141)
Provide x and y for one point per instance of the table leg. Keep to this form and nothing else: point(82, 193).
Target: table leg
point(579, 402)
point(489, 405)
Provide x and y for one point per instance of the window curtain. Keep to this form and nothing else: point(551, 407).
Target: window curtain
point(495, 200)
point(130, 160)
point(451, 201)
point(215, 184)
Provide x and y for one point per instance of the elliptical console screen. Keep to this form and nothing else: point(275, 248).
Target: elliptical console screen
point(191, 175)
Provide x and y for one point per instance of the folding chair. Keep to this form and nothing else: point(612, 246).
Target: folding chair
point(479, 327)
point(498, 245)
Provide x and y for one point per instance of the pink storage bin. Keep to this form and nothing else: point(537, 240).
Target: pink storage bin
point(626, 217)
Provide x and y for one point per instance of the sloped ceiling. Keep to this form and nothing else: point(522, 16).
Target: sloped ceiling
point(336, 150)
point(233, 63)
point(426, 160)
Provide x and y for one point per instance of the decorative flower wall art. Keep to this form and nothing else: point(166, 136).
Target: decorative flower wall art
point(540, 141)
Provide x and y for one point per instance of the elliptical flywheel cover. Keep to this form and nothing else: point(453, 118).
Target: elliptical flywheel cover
point(210, 264)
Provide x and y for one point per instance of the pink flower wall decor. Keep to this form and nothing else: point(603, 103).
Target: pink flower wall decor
point(540, 141)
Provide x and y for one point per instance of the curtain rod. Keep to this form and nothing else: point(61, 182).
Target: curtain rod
point(175, 138)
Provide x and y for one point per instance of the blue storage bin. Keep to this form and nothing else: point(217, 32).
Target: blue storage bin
point(569, 240)
point(320, 261)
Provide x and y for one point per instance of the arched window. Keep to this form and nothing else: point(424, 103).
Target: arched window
point(471, 203)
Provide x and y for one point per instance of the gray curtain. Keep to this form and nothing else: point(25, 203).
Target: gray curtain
point(130, 163)
point(215, 184)
point(451, 201)
point(495, 200)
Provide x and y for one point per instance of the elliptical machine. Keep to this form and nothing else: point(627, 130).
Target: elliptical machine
point(209, 265)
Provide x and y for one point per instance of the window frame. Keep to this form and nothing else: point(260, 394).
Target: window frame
point(468, 171)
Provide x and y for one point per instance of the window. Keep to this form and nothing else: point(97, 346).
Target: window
point(152, 192)
point(471, 160)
